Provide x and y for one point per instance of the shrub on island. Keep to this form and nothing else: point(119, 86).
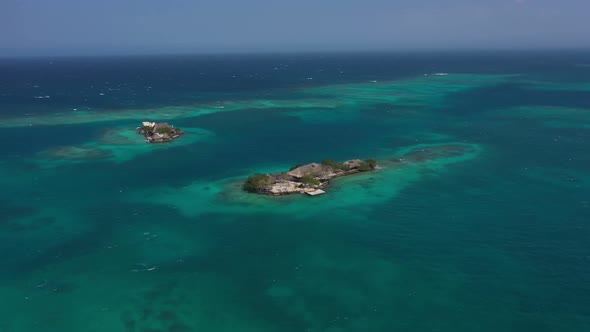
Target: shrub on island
point(256, 183)
point(335, 165)
point(310, 180)
point(372, 163)
point(367, 165)
point(167, 131)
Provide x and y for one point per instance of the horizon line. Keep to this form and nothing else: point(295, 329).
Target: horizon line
point(300, 52)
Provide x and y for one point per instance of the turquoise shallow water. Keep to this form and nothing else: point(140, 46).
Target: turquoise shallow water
point(483, 227)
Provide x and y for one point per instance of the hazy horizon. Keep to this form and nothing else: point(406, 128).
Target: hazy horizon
point(67, 27)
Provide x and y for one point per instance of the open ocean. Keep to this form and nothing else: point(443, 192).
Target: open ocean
point(486, 228)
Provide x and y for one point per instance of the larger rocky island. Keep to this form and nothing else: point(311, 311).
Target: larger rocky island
point(309, 179)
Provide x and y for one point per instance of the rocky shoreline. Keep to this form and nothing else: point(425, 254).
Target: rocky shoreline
point(159, 132)
point(308, 179)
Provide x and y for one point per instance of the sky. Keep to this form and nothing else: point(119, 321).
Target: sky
point(101, 27)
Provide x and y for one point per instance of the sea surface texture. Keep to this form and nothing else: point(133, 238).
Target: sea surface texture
point(478, 218)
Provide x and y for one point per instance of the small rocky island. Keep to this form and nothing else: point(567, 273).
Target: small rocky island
point(308, 179)
point(158, 132)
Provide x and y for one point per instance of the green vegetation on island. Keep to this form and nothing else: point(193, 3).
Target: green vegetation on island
point(335, 165)
point(310, 180)
point(368, 165)
point(256, 183)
